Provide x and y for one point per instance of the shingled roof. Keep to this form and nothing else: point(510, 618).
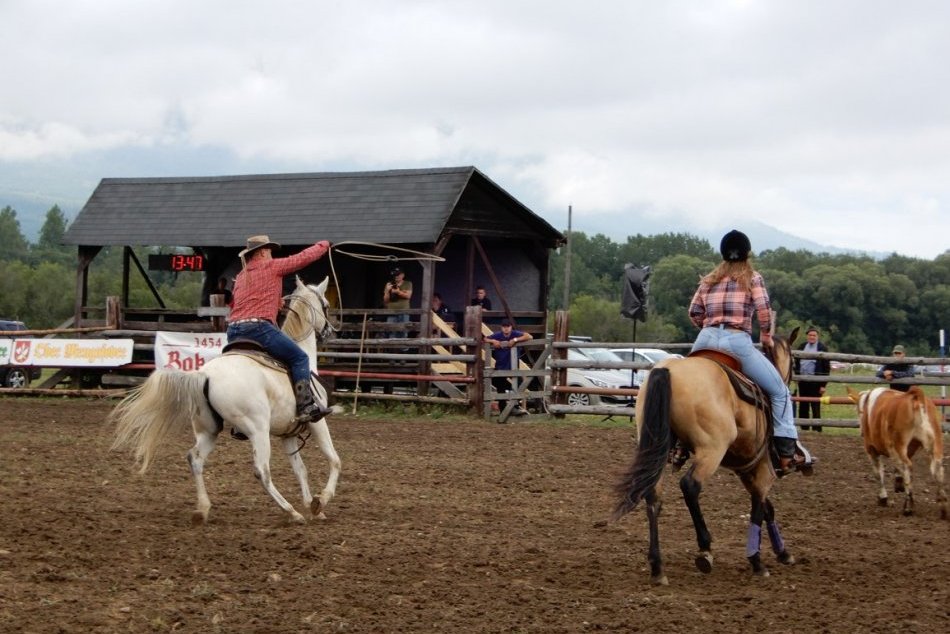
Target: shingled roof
point(392, 207)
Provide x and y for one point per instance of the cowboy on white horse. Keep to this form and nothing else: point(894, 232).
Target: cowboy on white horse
point(257, 301)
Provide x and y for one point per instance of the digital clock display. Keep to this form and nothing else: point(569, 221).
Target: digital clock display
point(176, 262)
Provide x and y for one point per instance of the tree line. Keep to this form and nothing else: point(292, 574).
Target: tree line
point(38, 280)
point(862, 305)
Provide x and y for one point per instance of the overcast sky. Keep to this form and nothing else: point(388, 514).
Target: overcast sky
point(827, 120)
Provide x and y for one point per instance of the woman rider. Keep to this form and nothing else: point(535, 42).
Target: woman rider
point(723, 306)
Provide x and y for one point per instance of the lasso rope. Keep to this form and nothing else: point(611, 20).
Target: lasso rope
point(418, 256)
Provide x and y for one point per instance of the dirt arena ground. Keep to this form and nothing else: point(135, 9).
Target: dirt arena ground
point(437, 527)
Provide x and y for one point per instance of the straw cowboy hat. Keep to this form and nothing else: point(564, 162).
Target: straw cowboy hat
point(257, 242)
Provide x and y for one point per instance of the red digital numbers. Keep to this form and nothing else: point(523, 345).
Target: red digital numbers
point(187, 263)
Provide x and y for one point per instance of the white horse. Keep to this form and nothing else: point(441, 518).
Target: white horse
point(253, 398)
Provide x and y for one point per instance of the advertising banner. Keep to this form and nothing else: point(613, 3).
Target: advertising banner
point(187, 351)
point(61, 353)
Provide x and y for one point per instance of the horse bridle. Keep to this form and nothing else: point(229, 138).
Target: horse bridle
point(770, 353)
point(328, 331)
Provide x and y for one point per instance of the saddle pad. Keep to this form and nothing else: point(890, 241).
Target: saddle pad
point(253, 350)
point(745, 388)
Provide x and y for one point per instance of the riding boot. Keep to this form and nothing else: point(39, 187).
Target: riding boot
point(308, 411)
point(792, 456)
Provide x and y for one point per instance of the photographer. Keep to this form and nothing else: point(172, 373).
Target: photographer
point(396, 296)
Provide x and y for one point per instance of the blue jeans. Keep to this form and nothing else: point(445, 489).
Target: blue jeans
point(757, 368)
point(275, 342)
point(402, 318)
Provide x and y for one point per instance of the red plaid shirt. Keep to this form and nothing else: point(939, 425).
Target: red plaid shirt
point(724, 303)
point(258, 288)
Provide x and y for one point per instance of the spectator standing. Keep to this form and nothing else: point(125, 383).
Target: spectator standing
point(897, 369)
point(502, 343)
point(441, 311)
point(440, 308)
point(396, 296)
point(812, 367)
point(481, 298)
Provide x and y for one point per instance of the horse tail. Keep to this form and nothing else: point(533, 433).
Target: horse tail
point(653, 449)
point(167, 400)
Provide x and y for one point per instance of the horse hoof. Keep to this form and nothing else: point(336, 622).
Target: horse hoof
point(761, 572)
point(660, 581)
point(882, 501)
point(198, 518)
point(786, 558)
point(943, 514)
point(807, 470)
point(298, 518)
point(316, 507)
point(704, 563)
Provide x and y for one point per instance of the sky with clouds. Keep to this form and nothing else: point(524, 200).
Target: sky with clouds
point(827, 120)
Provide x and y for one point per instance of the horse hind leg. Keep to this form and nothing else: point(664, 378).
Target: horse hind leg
point(654, 506)
point(692, 486)
point(197, 455)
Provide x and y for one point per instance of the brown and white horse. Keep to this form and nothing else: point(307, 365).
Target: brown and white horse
point(692, 399)
point(896, 424)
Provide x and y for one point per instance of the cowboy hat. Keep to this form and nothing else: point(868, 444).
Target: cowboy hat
point(257, 242)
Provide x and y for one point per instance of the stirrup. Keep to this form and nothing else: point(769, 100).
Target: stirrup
point(313, 413)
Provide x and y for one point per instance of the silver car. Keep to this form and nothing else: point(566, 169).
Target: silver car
point(644, 355)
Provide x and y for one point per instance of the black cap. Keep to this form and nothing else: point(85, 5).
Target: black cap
point(735, 246)
point(506, 322)
point(395, 270)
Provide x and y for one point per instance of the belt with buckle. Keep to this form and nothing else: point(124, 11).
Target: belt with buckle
point(250, 320)
point(728, 327)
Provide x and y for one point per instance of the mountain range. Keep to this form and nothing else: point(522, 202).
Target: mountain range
point(31, 212)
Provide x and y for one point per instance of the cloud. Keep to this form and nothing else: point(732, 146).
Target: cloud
point(801, 115)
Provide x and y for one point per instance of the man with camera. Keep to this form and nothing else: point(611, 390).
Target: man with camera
point(396, 296)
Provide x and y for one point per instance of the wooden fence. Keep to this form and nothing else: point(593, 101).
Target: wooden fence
point(447, 368)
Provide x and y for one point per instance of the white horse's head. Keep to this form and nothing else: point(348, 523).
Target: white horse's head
point(307, 312)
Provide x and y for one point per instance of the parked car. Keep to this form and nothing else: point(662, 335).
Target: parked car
point(644, 355)
point(16, 375)
point(583, 377)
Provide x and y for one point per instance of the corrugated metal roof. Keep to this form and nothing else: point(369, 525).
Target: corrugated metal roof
point(392, 207)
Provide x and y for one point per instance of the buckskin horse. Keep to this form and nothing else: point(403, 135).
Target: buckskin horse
point(253, 396)
point(694, 399)
point(896, 424)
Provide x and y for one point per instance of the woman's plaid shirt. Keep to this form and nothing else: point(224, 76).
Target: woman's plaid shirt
point(724, 303)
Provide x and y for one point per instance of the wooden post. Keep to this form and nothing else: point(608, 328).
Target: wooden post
point(473, 329)
point(113, 312)
point(218, 323)
point(562, 322)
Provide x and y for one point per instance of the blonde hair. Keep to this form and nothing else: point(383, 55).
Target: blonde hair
point(741, 272)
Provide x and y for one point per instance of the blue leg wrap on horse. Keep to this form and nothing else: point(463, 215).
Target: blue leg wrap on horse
point(753, 540)
point(778, 544)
